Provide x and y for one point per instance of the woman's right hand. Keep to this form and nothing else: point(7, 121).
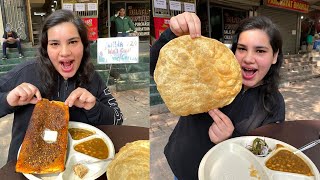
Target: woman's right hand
point(23, 94)
point(186, 23)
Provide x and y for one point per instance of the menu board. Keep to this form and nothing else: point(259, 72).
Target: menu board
point(118, 50)
point(139, 14)
point(231, 21)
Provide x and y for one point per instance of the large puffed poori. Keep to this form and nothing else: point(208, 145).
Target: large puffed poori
point(132, 162)
point(196, 75)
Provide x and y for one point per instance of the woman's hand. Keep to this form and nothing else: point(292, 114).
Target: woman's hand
point(186, 23)
point(222, 127)
point(23, 94)
point(81, 98)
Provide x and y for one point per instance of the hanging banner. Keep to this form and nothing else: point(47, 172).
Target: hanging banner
point(295, 5)
point(160, 25)
point(118, 50)
point(92, 25)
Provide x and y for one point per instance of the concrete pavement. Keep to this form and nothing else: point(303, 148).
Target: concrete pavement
point(302, 102)
point(134, 105)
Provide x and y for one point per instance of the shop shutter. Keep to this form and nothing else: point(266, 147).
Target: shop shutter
point(286, 22)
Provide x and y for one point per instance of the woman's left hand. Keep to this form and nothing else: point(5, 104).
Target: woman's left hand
point(222, 127)
point(81, 98)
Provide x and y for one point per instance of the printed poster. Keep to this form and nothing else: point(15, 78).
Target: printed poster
point(189, 7)
point(160, 25)
point(118, 50)
point(175, 5)
point(68, 7)
point(162, 4)
point(92, 25)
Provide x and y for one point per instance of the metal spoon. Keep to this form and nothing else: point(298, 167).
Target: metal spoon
point(308, 146)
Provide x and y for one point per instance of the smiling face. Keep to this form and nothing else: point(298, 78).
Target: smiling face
point(255, 56)
point(65, 49)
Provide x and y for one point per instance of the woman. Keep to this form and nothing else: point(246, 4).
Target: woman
point(258, 48)
point(63, 72)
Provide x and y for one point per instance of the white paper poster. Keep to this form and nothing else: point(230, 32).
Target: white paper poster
point(162, 4)
point(175, 5)
point(92, 6)
point(80, 7)
point(118, 50)
point(68, 7)
point(189, 7)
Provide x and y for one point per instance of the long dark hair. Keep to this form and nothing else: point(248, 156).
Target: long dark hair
point(49, 75)
point(272, 78)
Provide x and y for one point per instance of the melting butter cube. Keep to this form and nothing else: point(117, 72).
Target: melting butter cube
point(50, 136)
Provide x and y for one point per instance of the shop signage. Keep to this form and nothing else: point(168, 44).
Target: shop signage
point(92, 25)
point(295, 5)
point(231, 21)
point(140, 17)
point(118, 50)
point(160, 25)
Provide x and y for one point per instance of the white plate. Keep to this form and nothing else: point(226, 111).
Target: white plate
point(96, 169)
point(231, 160)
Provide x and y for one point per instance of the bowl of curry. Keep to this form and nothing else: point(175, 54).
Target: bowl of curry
point(284, 160)
point(88, 146)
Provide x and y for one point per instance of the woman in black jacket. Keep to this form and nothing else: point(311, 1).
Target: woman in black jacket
point(258, 48)
point(63, 72)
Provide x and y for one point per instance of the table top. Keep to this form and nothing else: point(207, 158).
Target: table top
point(296, 133)
point(120, 135)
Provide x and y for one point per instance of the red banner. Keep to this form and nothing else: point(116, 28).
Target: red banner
point(160, 24)
point(92, 24)
point(295, 5)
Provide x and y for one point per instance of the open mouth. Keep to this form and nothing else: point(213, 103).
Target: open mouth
point(66, 65)
point(248, 73)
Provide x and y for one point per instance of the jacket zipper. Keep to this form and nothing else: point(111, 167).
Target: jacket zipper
point(66, 89)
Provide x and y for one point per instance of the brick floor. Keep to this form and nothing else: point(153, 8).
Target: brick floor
point(302, 102)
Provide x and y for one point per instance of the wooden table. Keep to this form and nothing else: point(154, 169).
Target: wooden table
point(296, 133)
point(120, 135)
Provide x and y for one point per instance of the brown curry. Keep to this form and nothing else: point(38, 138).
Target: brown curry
point(95, 147)
point(77, 133)
point(286, 161)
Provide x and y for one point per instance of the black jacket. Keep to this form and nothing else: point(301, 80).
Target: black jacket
point(106, 110)
point(190, 141)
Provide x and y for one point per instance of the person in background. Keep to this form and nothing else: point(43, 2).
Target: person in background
point(10, 39)
point(316, 44)
point(62, 72)
point(124, 24)
point(257, 45)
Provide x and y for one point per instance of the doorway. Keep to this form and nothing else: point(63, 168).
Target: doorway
point(114, 8)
